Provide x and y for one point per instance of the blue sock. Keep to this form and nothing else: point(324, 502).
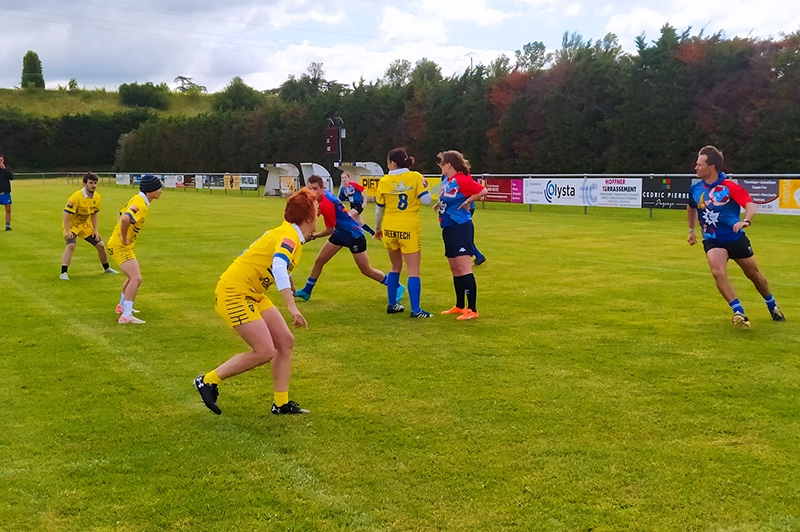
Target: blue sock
point(770, 301)
point(309, 285)
point(476, 253)
point(392, 282)
point(736, 306)
point(368, 229)
point(414, 290)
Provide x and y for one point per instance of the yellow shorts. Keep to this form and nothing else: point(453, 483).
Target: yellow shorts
point(403, 237)
point(82, 231)
point(121, 254)
point(236, 307)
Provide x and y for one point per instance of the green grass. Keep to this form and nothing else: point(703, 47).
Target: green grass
point(603, 388)
point(55, 103)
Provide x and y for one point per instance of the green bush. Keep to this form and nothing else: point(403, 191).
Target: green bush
point(145, 95)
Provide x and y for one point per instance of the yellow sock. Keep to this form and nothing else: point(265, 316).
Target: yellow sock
point(212, 378)
point(281, 398)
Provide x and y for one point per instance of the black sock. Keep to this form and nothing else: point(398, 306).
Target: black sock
point(368, 229)
point(105, 265)
point(471, 287)
point(64, 268)
point(461, 287)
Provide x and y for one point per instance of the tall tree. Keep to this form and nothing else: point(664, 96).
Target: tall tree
point(32, 71)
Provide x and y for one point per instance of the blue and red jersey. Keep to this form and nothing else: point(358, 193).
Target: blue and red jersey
point(718, 207)
point(453, 192)
point(352, 192)
point(334, 214)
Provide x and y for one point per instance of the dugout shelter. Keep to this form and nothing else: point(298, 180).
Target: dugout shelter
point(310, 169)
point(282, 179)
point(368, 174)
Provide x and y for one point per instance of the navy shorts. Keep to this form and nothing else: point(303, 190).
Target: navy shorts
point(346, 240)
point(359, 208)
point(738, 249)
point(458, 239)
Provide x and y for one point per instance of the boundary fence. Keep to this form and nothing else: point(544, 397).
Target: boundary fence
point(772, 193)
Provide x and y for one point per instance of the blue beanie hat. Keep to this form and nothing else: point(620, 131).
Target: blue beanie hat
point(150, 183)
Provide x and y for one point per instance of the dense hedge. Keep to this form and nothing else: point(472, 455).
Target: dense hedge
point(71, 142)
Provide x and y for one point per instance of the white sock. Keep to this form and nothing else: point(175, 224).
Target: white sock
point(127, 309)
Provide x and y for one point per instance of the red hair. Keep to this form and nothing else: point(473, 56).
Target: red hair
point(300, 207)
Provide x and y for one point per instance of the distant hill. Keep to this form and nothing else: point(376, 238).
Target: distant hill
point(55, 103)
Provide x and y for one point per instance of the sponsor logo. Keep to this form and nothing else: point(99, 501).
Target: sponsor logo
point(553, 191)
point(401, 235)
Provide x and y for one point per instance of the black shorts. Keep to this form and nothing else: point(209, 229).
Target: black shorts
point(458, 239)
point(738, 249)
point(346, 240)
point(359, 208)
point(90, 239)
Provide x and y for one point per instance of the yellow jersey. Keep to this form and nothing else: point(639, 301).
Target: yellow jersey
point(81, 208)
point(252, 270)
point(136, 210)
point(399, 193)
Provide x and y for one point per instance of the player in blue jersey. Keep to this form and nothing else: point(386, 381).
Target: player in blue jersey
point(456, 194)
point(344, 231)
point(353, 191)
point(716, 202)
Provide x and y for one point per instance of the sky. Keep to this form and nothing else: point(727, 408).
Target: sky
point(102, 44)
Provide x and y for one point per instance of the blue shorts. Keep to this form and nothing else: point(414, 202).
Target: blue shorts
point(346, 240)
point(5, 198)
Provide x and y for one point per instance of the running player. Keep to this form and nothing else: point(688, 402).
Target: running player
point(399, 196)
point(120, 245)
point(353, 191)
point(716, 202)
point(80, 221)
point(241, 301)
point(345, 232)
point(458, 192)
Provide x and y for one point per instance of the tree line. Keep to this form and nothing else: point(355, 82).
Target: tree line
point(588, 107)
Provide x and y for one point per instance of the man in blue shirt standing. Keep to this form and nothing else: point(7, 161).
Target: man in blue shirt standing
point(716, 203)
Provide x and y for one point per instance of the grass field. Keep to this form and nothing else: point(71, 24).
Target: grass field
point(603, 387)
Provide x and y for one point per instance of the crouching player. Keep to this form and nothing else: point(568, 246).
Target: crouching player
point(241, 301)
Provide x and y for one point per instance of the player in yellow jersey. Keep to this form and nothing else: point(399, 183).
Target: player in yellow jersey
point(80, 221)
point(241, 301)
point(398, 199)
point(120, 245)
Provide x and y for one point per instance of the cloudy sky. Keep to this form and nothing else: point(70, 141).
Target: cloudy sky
point(103, 43)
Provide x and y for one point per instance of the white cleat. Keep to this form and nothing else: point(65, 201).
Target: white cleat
point(64, 276)
point(130, 319)
point(110, 270)
point(119, 310)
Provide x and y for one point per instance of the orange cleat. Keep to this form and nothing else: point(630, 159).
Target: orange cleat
point(468, 315)
point(454, 310)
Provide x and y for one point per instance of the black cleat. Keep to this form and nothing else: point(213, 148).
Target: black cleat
point(394, 309)
point(422, 314)
point(289, 408)
point(740, 320)
point(777, 314)
point(479, 260)
point(209, 394)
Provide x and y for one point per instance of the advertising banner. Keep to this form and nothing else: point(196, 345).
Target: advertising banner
point(123, 179)
point(500, 190)
point(172, 180)
point(288, 185)
point(763, 192)
point(214, 181)
point(536, 191)
point(232, 181)
point(789, 197)
point(666, 193)
point(248, 182)
point(612, 192)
